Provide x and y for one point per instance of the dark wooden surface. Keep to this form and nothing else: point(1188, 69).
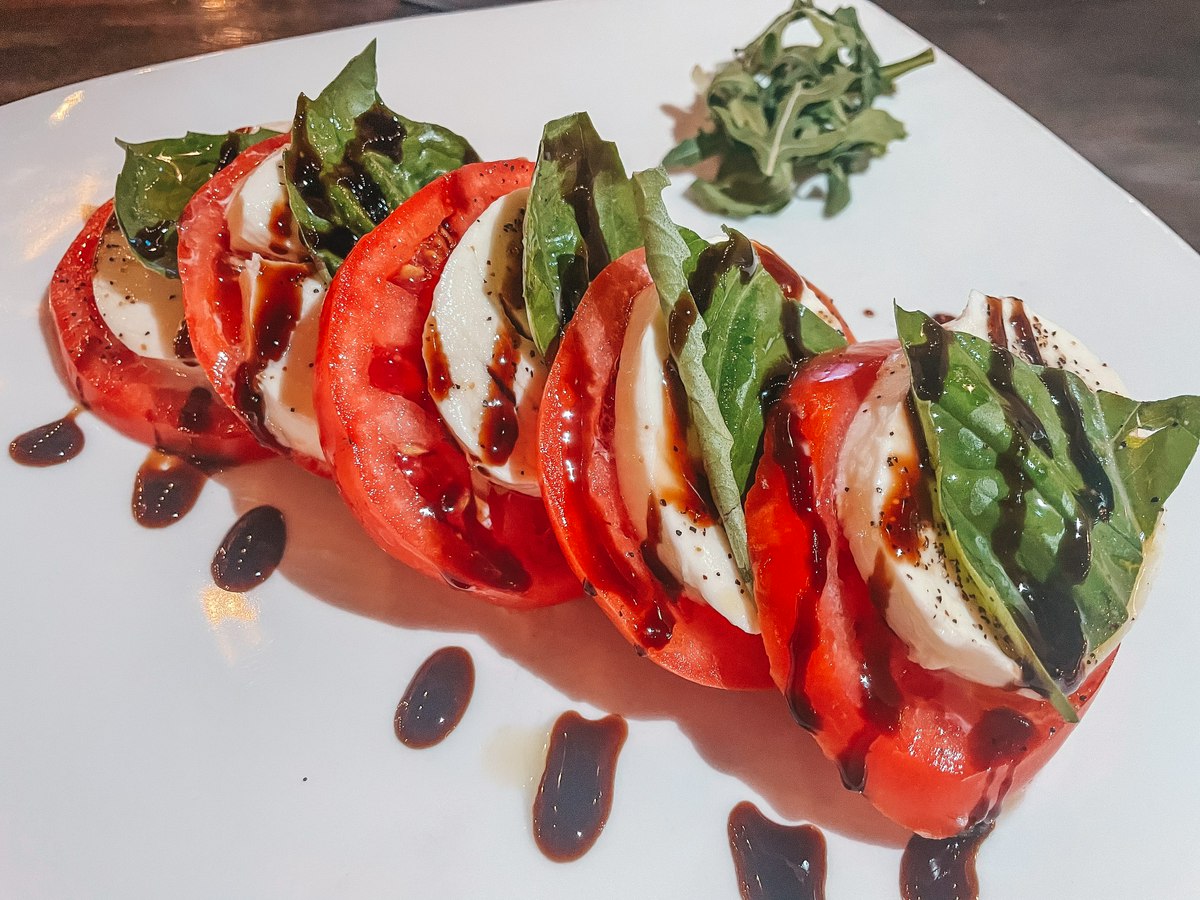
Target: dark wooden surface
point(1119, 80)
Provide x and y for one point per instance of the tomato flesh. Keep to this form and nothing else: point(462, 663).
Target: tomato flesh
point(393, 458)
point(933, 751)
point(150, 400)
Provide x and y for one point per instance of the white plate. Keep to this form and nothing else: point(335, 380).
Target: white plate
point(149, 749)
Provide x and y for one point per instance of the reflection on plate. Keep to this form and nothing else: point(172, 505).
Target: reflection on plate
point(163, 734)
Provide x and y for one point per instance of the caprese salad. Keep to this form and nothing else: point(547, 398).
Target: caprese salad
point(526, 380)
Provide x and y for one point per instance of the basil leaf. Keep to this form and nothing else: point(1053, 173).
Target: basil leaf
point(752, 338)
point(580, 216)
point(670, 260)
point(352, 160)
point(1047, 492)
point(157, 181)
point(783, 113)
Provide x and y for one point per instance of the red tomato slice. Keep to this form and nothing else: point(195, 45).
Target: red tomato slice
point(579, 477)
point(150, 400)
point(212, 296)
point(393, 457)
point(933, 751)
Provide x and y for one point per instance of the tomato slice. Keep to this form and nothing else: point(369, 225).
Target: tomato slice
point(212, 294)
point(580, 481)
point(393, 457)
point(150, 400)
point(933, 751)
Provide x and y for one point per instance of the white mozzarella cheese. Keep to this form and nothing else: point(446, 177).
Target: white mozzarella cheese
point(925, 601)
point(481, 367)
point(690, 544)
point(260, 219)
point(141, 307)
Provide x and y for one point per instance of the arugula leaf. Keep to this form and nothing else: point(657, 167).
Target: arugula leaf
point(1047, 492)
point(157, 181)
point(670, 259)
point(352, 160)
point(782, 113)
point(580, 216)
point(753, 337)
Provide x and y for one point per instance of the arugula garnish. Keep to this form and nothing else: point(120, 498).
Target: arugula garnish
point(352, 160)
point(1047, 492)
point(580, 216)
point(732, 333)
point(783, 113)
point(157, 181)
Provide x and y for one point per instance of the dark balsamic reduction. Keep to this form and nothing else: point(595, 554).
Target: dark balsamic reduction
point(154, 240)
point(1050, 619)
point(49, 444)
point(251, 550)
point(498, 431)
point(230, 148)
point(906, 509)
point(679, 324)
point(574, 797)
point(165, 489)
point(436, 698)
point(1001, 736)
point(715, 260)
point(930, 362)
point(195, 415)
point(774, 861)
point(275, 318)
point(695, 497)
point(440, 381)
point(650, 549)
point(182, 344)
point(942, 869)
point(479, 559)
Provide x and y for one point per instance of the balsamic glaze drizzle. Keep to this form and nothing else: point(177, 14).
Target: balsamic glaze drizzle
point(436, 698)
point(773, 861)
point(942, 869)
point(49, 444)
point(165, 489)
point(574, 797)
point(251, 550)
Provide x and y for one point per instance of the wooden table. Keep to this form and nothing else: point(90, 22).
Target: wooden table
point(1119, 80)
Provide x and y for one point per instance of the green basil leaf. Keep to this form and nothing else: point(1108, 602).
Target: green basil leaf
point(1041, 485)
point(783, 113)
point(753, 337)
point(352, 160)
point(671, 260)
point(580, 216)
point(1154, 443)
point(157, 181)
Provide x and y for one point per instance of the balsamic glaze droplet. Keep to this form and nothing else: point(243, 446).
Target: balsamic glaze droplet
point(165, 489)
point(436, 698)
point(773, 861)
point(50, 444)
point(942, 869)
point(575, 795)
point(251, 550)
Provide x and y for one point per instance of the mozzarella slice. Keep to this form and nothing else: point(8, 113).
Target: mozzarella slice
point(272, 289)
point(143, 308)
point(905, 562)
point(654, 468)
point(486, 377)
point(259, 216)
